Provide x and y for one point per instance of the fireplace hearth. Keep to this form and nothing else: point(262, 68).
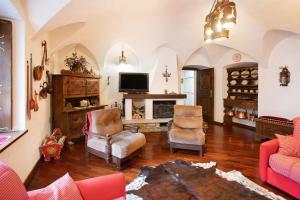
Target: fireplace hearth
point(163, 109)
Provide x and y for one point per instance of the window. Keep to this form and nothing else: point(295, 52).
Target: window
point(5, 74)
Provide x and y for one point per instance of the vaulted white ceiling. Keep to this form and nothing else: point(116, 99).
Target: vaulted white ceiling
point(147, 24)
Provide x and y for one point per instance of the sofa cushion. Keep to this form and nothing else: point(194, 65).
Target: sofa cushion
point(286, 165)
point(106, 121)
point(289, 145)
point(63, 188)
point(123, 144)
point(187, 136)
point(188, 116)
point(11, 185)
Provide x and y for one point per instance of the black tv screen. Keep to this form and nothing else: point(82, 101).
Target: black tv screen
point(133, 82)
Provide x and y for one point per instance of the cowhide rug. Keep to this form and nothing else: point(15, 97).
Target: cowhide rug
point(187, 180)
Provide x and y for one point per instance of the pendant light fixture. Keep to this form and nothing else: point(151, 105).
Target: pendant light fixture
point(122, 58)
point(221, 18)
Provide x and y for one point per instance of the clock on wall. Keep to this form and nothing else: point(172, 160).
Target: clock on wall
point(2, 42)
point(237, 57)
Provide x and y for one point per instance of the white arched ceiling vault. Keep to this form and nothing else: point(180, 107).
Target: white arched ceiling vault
point(146, 25)
point(40, 12)
point(271, 39)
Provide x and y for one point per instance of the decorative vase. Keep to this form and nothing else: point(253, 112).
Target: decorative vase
point(76, 67)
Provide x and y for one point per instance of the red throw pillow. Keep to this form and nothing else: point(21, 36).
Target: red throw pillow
point(289, 145)
point(62, 189)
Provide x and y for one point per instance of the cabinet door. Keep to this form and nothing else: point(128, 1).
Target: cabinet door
point(76, 123)
point(74, 87)
point(92, 87)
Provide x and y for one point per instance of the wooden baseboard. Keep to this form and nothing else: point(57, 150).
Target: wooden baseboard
point(32, 172)
point(235, 124)
point(244, 126)
point(218, 123)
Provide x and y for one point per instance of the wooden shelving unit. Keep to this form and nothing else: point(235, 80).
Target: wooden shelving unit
point(69, 90)
point(242, 93)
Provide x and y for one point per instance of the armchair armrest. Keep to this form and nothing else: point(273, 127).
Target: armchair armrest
point(169, 125)
point(103, 187)
point(205, 127)
point(266, 150)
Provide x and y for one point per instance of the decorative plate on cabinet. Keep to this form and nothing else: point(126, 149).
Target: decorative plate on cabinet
point(235, 74)
point(233, 82)
point(245, 74)
point(244, 82)
point(254, 73)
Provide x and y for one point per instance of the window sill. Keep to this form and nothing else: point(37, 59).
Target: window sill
point(14, 136)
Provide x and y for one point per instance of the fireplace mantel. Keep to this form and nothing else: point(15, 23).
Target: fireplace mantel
point(148, 99)
point(154, 96)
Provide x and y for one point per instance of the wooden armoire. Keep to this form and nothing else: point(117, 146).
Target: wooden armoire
point(67, 111)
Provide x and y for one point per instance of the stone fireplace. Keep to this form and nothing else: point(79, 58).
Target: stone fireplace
point(143, 106)
point(163, 109)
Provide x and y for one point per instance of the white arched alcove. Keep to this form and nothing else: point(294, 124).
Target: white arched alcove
point(165, 56)
point(109, 86)
point(270, 40)
point(58, 57)
point(285, 100)
point(218, 57)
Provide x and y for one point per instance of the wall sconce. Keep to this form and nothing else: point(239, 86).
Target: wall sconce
point(166, 74)
point(122, 58)
point(107, 83)
point(284, 76)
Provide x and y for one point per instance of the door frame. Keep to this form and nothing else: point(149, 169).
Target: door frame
point(212, 91)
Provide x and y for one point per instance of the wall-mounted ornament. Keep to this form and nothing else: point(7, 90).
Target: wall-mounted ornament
point(122, 58)
point(166, 74)
point(284, 76)
point(107, 82)
point(237, 57)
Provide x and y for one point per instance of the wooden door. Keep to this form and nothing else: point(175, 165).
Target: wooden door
point(205, 93)
point(5, 74)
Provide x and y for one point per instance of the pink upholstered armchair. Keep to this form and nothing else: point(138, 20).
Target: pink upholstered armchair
point(99, 188)
point(280, 170)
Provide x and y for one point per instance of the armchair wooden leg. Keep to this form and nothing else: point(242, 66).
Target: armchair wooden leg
point(202, 150)
point(171, 149)
point(119, 167)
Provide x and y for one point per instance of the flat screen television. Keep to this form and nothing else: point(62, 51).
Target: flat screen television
point(134, 82)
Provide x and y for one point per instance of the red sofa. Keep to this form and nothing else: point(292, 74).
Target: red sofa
point(279, 170)
point(99, 188)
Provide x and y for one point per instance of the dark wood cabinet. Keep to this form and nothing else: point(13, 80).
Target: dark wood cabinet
point(242, 93)
point(69, 91)
point(266, 128)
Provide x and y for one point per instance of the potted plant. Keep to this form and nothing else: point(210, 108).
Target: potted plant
point(76, 63)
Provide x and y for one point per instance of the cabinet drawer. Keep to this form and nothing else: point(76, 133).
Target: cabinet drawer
point(92, 87)
point(74, 87)
point(77, 120)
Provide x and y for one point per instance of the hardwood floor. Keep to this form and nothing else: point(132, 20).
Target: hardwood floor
point(233, 148)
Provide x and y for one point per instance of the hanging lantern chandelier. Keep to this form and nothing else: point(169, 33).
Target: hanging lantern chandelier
point(221, 18)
